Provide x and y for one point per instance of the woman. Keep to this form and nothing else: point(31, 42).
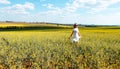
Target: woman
point(76, 34)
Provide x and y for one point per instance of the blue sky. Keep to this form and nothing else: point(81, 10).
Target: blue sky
point(98, 12)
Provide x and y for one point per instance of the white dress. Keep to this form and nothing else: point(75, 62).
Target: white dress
point(76, 36)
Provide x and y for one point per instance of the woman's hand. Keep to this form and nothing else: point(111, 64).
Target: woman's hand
point(69, 37)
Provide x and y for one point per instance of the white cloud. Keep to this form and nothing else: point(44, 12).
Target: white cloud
point(18, 8)
point(57, 17)
point(67, 14)
point(28, 5)
point(4, 2)
point(70, 13)
point(78, 4)
point(118, 13)
point(102, 5)
point(93, 6)
point(49, 6)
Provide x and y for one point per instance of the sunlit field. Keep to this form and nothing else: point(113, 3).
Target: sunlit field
point(99, 48)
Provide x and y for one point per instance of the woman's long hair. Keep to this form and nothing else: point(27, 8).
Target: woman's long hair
point(75, 25)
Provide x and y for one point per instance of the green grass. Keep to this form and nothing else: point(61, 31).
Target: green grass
point(30, 26)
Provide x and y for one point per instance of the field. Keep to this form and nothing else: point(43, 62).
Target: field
point(99, 48)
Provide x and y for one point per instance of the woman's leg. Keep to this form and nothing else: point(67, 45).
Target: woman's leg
point(76, 43)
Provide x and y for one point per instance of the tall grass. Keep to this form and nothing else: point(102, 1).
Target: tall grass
point(97, 49)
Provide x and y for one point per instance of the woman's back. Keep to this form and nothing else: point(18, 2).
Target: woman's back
point(75, 33)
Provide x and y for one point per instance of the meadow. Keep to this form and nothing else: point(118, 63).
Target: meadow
point(99, 48)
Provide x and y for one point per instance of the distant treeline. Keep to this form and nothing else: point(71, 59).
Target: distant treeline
point(17, 28)
point(51, 26)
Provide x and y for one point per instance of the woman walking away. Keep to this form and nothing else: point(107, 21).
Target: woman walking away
point(76, 35)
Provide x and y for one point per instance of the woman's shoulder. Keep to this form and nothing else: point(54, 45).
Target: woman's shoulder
point(75, 29)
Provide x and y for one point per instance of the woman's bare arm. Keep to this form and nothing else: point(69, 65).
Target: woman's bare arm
point(71, 34)
point(79, 33)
